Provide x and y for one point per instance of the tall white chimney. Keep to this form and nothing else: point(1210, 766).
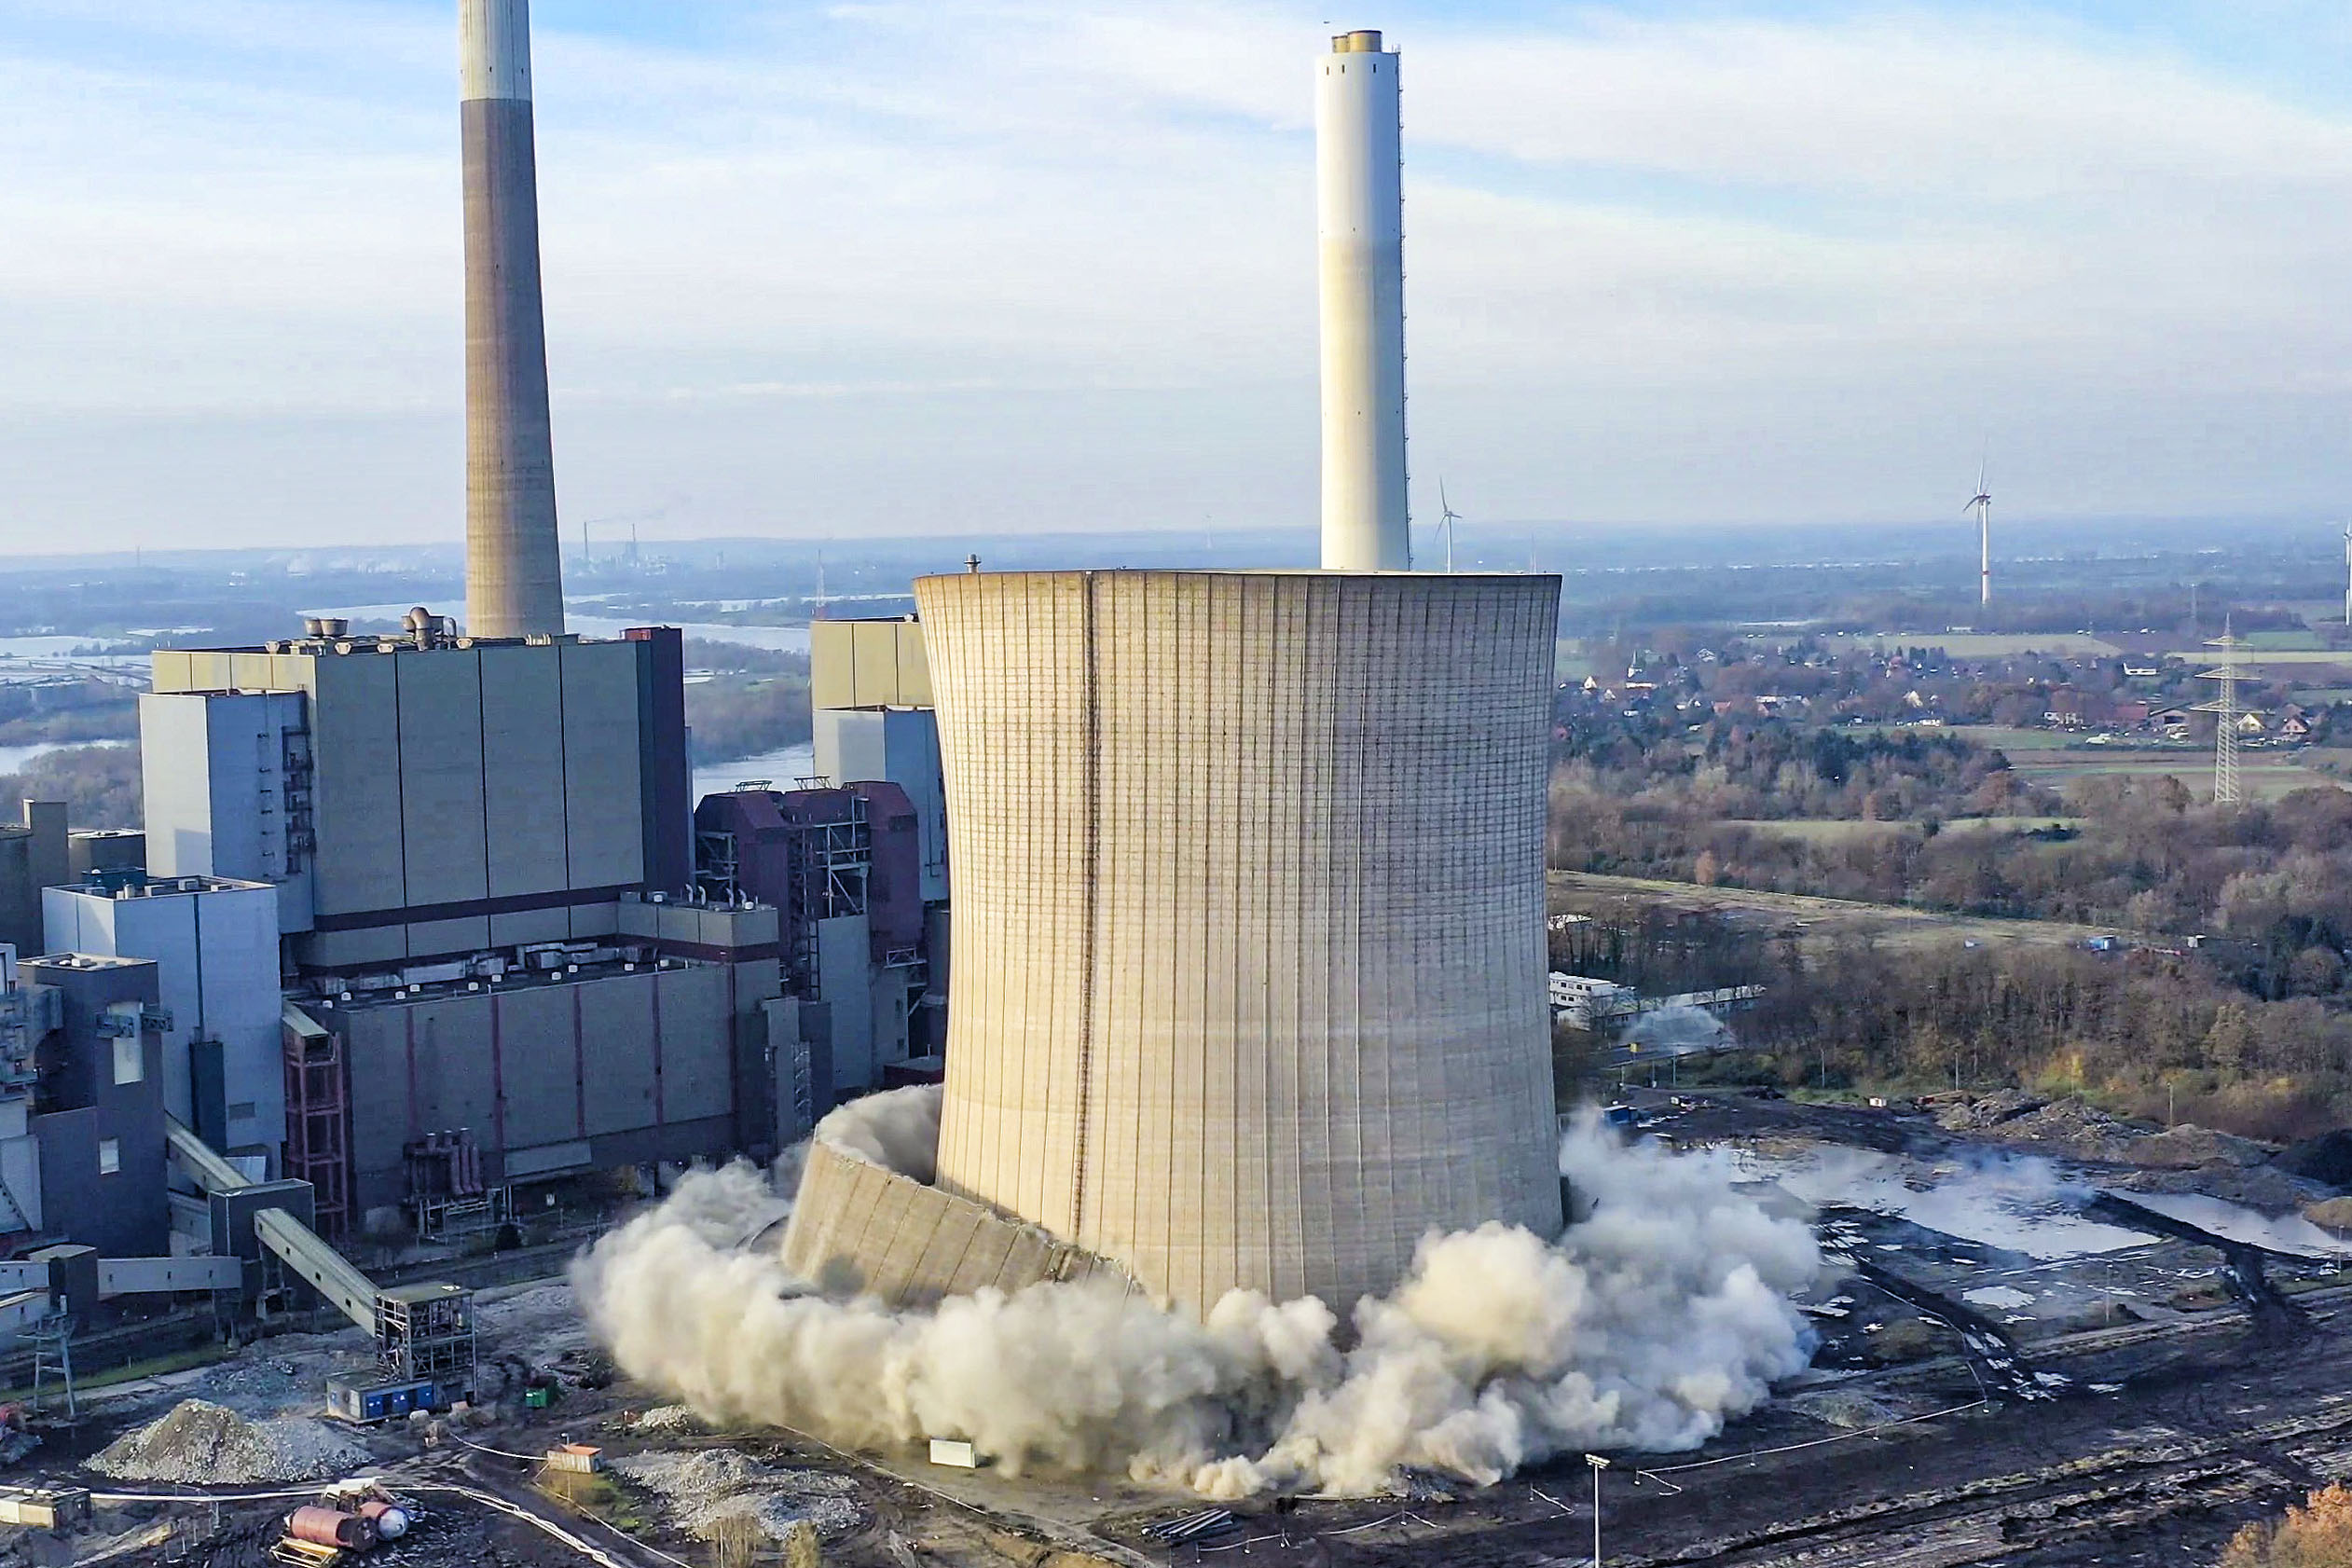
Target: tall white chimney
point(1360, 222)
point(513, 582)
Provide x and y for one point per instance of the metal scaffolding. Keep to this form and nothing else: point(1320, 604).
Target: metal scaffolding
point(825, 878)
point(424, 1333)
point(318, 1148)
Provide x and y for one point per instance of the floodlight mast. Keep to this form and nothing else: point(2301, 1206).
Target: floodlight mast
point(1598, 1464)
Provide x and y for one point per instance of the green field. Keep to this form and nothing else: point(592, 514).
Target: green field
point(1989, 645)
point(2001, 738)
point(2261, 658)
point(2260, 778)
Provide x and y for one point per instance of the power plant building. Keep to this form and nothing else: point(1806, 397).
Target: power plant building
point(427, 794)
point(214, 943)
point(481, 858)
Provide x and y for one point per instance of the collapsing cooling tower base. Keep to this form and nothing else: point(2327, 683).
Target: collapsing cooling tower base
point(868, 1223)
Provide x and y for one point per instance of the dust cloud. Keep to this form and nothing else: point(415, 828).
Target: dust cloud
point(1647, 1324)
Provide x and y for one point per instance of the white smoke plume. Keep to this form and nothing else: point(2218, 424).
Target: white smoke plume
point(1647, 1324)
point(898, 1131)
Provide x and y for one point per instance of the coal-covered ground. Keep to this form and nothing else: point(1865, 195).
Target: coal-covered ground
point(2016, 1367)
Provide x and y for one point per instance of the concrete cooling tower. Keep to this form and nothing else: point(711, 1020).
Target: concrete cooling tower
point(1248, 986)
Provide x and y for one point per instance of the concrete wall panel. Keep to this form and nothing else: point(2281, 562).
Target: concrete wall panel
point(859, 1230)
point(451, 1039)
point(428, 939)
point(697, 1044)
point(441, 788)
point(601, 785)
point(616, 1034)
point(177, 798)
point(539, 1062)
point(523, 767)
point(355, 730)
point(530, 925)
point(377, 1043)
point(347, 951)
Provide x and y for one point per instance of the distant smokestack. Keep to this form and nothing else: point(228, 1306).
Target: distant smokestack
point(1360, 220)
point(513, 582)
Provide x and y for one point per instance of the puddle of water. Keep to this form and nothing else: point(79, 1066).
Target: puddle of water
point(2289, 1233)
point(1996, 1296)
point(2020, 1204)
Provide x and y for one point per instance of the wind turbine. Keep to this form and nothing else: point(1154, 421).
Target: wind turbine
point(2348, 574)
point(1446, 514)
point(1982, 505)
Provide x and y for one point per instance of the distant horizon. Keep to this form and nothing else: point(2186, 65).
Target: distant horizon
point(862, 271)
point(2030, 538)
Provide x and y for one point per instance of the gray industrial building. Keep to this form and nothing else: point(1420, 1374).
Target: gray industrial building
point(414, 917)
point(873, 719)
point(647, 1044)
point(496, 968)
point(838, 871)
point(419, 796)
point(34, 853)
point(93, 1026)
point(214, 940)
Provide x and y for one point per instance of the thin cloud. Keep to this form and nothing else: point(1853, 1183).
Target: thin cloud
point(1836, 242)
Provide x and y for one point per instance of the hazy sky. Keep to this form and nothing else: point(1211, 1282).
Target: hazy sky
point(921, 268)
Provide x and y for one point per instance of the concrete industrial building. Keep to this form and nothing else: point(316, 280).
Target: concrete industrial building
point(1249, 979)
point(94, 1025)
point(514, 585)
point(642, 1045)
point(34, 853)
point(215, 943)
point(870, 700)
point(480, 855)
point(419, 796)
point(838, 870)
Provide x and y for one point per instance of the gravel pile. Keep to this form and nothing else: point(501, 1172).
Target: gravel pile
point(2083, 1130)
point(201, 1443)
point(665, 1418)
point(701, 1491)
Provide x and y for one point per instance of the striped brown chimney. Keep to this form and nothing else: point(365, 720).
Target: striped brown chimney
point(514, 576)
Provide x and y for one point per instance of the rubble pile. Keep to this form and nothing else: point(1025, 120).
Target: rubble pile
point(701, 1491)
point(2079, 1130)
point(201, 1443)
point(2326, 1159)
point(2332, 1215)
point(666, 1419)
